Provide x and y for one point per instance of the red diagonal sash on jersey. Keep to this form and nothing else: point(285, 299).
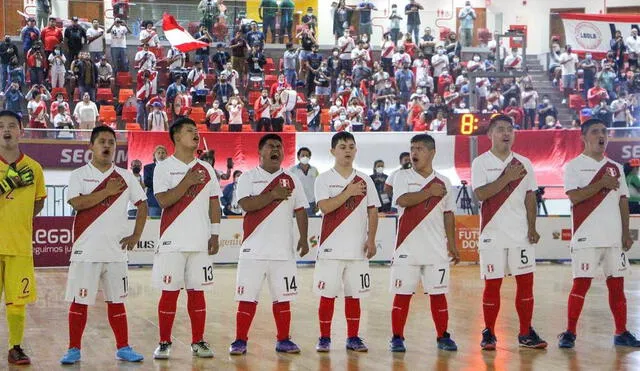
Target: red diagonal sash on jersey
point(198, 79)
point(344, 47)
point(388, 51)
point(253, 219)
point(260, 107)
point(414, 215)
point(171, 213)
point(331, 221)
point(214, 117)
point(84, 218)
point(582, 210)
point(515, 62)
point(491, 205)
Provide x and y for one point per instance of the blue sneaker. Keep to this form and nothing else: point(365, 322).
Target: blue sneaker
point(324, 345)
point(128, 354)
point(356, 344)
point(72, 356)
point(287, 346)
point(566, 340)
point(396, 344)
point(626, 339)
point(489, 340)
point(532, 340)
point(238, 348)
point(446, 343)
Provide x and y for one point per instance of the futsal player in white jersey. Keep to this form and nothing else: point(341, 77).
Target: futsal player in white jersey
point(425, 243)
point(269, 197)
point(100, 193)
point(187, 190)
point(349, 203)
point(505, 185)
point(598, 193)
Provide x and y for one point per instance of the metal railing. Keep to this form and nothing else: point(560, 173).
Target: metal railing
point(56, 201)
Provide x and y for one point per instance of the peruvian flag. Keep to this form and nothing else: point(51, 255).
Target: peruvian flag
point(178, 37)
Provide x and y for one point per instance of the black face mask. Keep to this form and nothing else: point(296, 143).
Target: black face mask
point(136, 169)
point(407, 165)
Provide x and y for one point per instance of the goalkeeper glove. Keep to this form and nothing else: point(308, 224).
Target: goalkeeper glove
point(16, 178)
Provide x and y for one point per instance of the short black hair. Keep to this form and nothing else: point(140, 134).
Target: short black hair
point(376, 162)
point(403, 155)
point(497, 118)
point(427, 139)
point(101, 129)
point(584, 128)
point(237, 172)
point(303, 149)
point(267, 137)
point(343, 135)
point(15, 115)
point(177, 125)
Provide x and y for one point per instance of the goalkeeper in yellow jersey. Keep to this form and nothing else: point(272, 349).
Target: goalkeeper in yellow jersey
point(22, 194)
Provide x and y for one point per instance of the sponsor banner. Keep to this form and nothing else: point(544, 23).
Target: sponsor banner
point(623, 149)
point(592, 32)
point(66, 154)
point(467, 235)
point(52, 241)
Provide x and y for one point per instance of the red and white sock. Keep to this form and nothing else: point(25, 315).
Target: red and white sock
point(244, 317)
point(399, 314)
point(325, 315)
point(167, 313)
point(491, 302)
point(197, 308)
point(282, 316)
point(439, 313)
point(576, 301)
point(524, 301)
point(352, 314)
point(118, 320)
point(77, 323)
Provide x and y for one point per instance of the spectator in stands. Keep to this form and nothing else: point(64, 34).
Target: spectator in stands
point(607, 79)
point(568, 63)
point(239, 48)
point(341, 18)
point(313, 115)
point(172, 91)
point(95, 39)
point(143, 94)
point(145, 59)
point(452, 46)
point(360, 58)
point(255, 37)
point(307, 41)
point(37, 63)
point(7, 52)
point(59, 101)
point(427, 44)
point(105, 74)
point(223, 91)
point(397, 116)
point(51, 36)
point(364, 9)
point(158, 120)
point(307, 175)
point(233, 77)
point(413, 18)
point(404, 81)
point(43, 10)
point(289, 60)
point(589, 69)
point(262, 111)
point(182, 105)
point(149, 35)
point(618, 49)
point(159, 154)
point(267, 12)
point(220, 58)
point(86, 74)
point(438, 124)
point(394, 25)
point(620, 112)
point(287, 7)
point(597, 94)
point(602, 112)
point(256, 61)
point(214, 117)
point(229, 199)
point(440, 63)
point(513, 61)
point(62, 120)
point(515, 112)
point(196, 81)
point(529, 100)
point(16, 72)
point(467, 16)
point(379, 177)
point(322, 82)
point(119, 31)
point(510, 90)
point(86, 113)
point(546, 109)
point(633, 47)
point(444, 80)
point(310, 20)
point(409, 46)
point(202, 54)
point(29, 35)
point(175, 59)
point(400, 57)
point(234, 108)
point(354, 115)
point(13, 99)
point(76, 37)
point(346, 44)
point(37, 107)
point(57, 70)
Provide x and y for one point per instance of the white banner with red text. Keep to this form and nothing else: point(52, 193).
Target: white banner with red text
point(593, 32)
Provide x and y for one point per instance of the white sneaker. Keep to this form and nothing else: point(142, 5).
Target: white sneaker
point(201, 350)
point(162, 351)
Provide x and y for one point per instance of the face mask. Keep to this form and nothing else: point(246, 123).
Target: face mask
point(216, 105)
point(387, 85)
point(476, 58)
point(338, 103)
point(379, 169)
point(343, 117)
point(589, 56)
point(515, 54)
point(489, 107)
point(440, 51)
point(419, 63)
point(545, 101)
point(347, 84)
point(60, 99)
point(407, 165)
point(136, 169)
point(313, 100)
point(304, 160)
point(462, 105)
point(456, 60)
point(374, 106)
point(418, 91)
point(335, 54)
point(309, 13)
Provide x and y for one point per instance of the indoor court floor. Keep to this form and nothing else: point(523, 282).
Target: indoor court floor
point(47, 338)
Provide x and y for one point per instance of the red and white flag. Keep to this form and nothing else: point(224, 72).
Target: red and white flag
point(178, 37)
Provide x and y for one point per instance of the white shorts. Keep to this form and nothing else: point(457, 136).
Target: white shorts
point(333, 277)
point(405, 278)
point(173, 271)
point(280, 274)
point(585, 262)
point(85, 277)
point(498, 262)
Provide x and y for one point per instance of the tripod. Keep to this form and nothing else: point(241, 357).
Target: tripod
point(465, 200)
point(540, 201)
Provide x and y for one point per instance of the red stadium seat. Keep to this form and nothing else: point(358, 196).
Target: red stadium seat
point(301, 116)
point(124, 95)
point(197, 114)
point(270, 80)
point(269, 67)
point(129, 113)
point(104, 95)
point(107, 114)
point(124, 80)
point(133, 126)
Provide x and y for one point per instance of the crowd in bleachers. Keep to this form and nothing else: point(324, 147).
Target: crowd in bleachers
point(65, 78)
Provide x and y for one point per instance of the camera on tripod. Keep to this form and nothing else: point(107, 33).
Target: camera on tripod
point(540, 201)
point(464, 198)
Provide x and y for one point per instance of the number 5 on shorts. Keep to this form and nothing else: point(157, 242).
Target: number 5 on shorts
point(524, 259)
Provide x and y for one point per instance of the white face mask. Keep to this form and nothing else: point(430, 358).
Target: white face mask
point(545, 101)
point(60, 99)
point(338, 103)
point(379, 169)
point(313, 100)
point(456, 60)
point(347, 84)
point(335, 54)
point(216, 105)
point(476, 58)
point(387, 85)
point(304, 160)
point(440, 51)
point(462, 105)
point(343, 117)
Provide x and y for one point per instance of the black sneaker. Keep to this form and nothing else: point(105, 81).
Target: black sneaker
point(488, 340)
point(532, 340)
point(17, 357)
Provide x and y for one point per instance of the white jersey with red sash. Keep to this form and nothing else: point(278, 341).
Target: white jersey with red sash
point(596, 221)
point(38, 112)
point(344, 230)
point(346, 45)
point(197, 78)
point(185, 104)
point(268, 232)
point(215, 115)
point(513, 61)
point(503, 217)
point(97, 231)
point(474, 66)
point(185, 225)
point(278, 111)
point(261, 107)
point(421, 237)
point(144, 87)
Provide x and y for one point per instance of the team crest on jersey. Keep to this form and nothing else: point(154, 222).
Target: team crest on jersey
point(285, 183)
point(83, 293)
point(166, 279)
point(584, 266)
point(611, 171)
point(321, 285)
point(240, 290)
point(490, 268)
point(397, 283)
